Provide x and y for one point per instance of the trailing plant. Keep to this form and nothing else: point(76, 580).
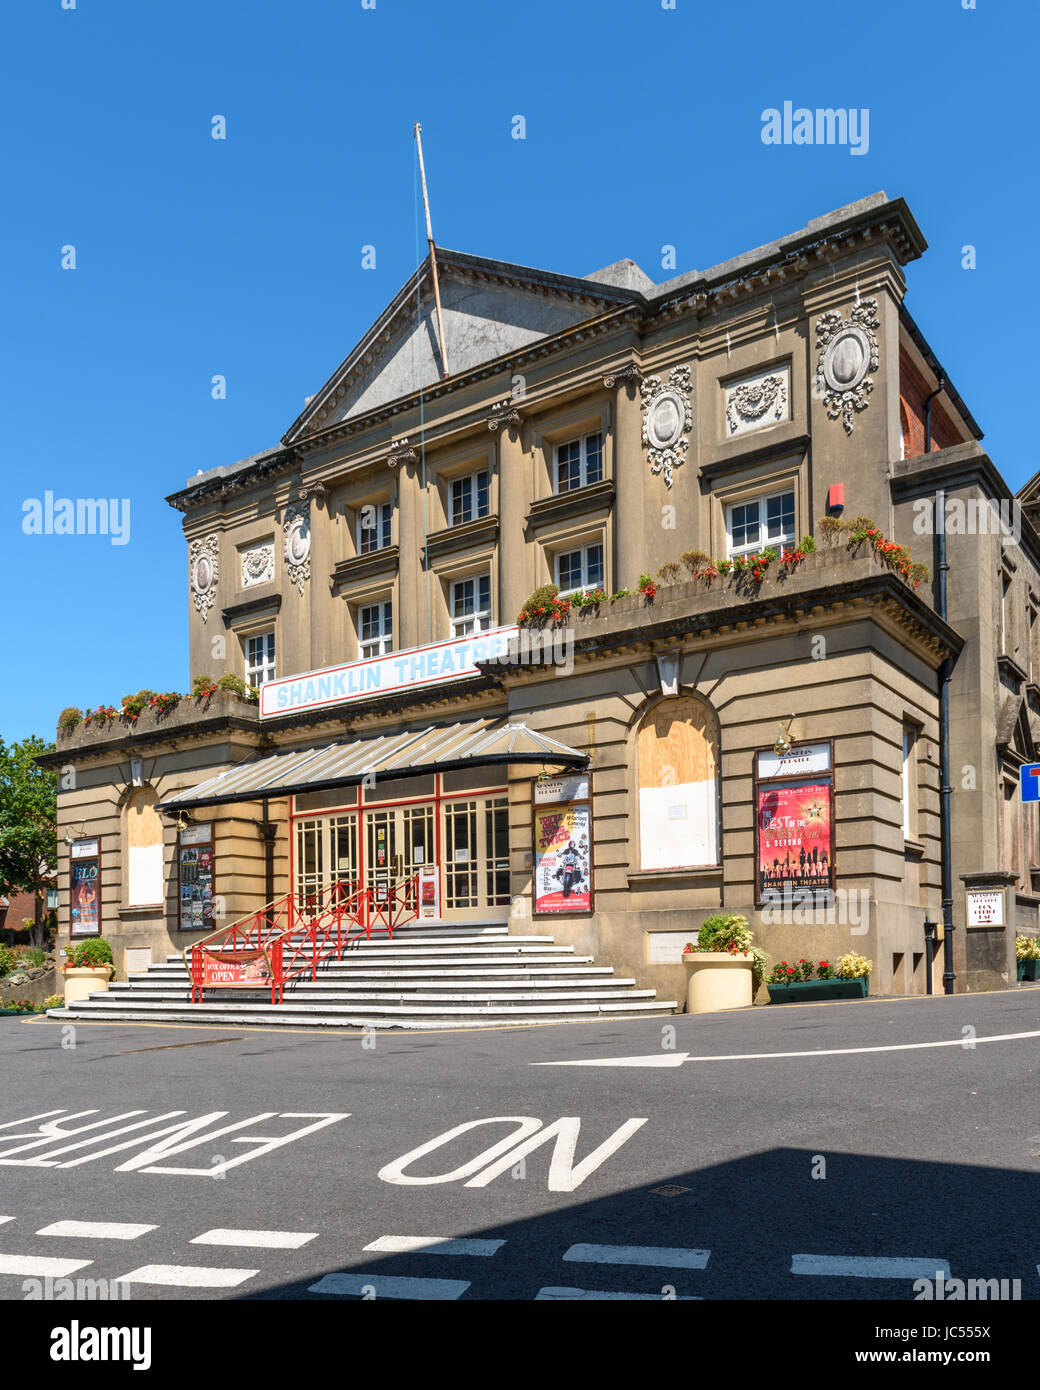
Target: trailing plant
point(647, 587)
point(163, 703)
point(89, 955)
point(237, 686)
point(70, 717)
point(725, 931)
point(202, 687)
point(101, 715)
point(695, 560)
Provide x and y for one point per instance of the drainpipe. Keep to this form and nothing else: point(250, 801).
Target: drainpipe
point(268, 831)
point(940, 387)
point(945, 676)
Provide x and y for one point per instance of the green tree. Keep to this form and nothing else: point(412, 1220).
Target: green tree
point(28, 823)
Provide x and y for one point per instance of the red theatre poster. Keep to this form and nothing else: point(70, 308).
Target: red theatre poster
point(795, 845)
point(563, 858)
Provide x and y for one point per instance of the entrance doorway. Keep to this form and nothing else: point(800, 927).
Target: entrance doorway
point(375, 844)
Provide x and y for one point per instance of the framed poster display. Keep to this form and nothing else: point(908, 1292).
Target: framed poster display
point(794, 820)
point(195, 878)
point(85, 888)
point(563, 852)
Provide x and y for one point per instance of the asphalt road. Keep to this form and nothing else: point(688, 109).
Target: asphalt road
point(784, 1153)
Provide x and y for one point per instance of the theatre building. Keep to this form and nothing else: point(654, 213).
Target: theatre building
point(734, 700)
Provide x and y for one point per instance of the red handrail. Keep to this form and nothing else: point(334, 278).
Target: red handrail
point(297, 932)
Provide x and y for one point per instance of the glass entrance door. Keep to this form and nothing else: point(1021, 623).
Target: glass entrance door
point(476, 855)
point(398, 841)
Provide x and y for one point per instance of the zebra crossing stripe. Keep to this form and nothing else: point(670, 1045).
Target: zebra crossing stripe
point(868, 1267)
point(565, 1294)
point(434, 1245)
point(187, 1276)
point(97, 1230)
point(663, 1256)
point(40, 1266)
point(260, 1240)
point(383, 1286)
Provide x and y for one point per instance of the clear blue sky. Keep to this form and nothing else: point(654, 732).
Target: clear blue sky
point(243, 257)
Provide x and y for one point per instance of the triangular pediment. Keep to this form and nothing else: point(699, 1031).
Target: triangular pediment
point(490, 309)
point(1014, 734)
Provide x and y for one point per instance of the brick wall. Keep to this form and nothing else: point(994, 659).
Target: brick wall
point(913, 392)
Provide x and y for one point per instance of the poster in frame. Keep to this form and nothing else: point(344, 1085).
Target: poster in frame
point(85, 887)
point(794, 836)
point(563, 859)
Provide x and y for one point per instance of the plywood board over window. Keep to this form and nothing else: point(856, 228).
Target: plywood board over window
point(144, 849)
point(678, 763)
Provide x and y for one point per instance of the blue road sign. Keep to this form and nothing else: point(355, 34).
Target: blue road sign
point(1029, 781)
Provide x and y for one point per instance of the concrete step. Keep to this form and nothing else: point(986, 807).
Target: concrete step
point(366, 998)
point(389, 1016)
point(381, 984)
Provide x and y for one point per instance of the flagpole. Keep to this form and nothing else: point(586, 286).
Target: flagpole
point(433, 255)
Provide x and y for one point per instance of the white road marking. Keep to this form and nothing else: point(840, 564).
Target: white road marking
point(381, 1286)
point(96, 1230)
point(5, 1218)
point(664, 1256)
point(40, 1266)
point(869, 1267)
point(434, 1245)
point(563, 1294)
point(261, 1240)
point(188, 1276)
point(676, 1059)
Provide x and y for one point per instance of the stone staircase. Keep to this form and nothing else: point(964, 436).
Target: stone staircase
point(431, 975)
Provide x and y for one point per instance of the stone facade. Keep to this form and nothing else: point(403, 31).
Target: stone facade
point(792, 372)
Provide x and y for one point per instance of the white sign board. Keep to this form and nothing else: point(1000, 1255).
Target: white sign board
point(805, 758)
point(986, 909)
point(555, 789)
point(384, 675)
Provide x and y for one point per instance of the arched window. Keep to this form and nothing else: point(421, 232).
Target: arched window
point(143, 838)
point(678, 766)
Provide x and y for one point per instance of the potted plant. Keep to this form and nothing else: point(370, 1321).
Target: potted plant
point(804, 982)
point(87, 968)
point(1027, 953)
point(724, 967)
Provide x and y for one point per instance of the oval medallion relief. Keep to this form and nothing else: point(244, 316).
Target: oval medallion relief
point(847, 359)
point(665, 424)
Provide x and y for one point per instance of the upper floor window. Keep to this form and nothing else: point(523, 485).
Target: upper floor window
point(376, 629)
point(469, 498)
point(909, 780)
point(760, 521)
point(260, 665)
point(373, 527)
point(579, 462)
point(470, 605)
point(580, 569)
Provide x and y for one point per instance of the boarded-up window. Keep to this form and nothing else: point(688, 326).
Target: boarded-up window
point(678, 763)
point(144, 849)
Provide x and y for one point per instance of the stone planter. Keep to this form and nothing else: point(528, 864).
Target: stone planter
point(717, 980)
point(812, 991)
point(82, 981)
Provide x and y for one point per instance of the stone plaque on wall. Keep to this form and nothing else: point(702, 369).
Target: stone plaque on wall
point(758, 401)
point(257, 563)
